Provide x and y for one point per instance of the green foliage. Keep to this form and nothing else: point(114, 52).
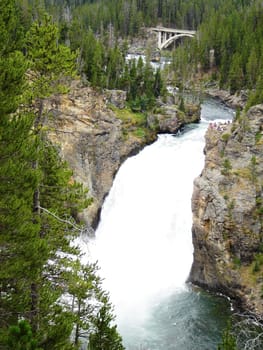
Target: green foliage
point(105, 335)
point(17, 178)
point(228, 340)
point(37, 264)
point(258, 136)
point(230, 29)
point(256, 95)
point(20, 337)
point(258, 262)
point(127, 18)
point(231, 205)
point(237, 262)
point(225, 137)
point(226, 167)
point(133, 122)
point(139, 132)
point(130, 118)
point(238, 115)
point(12, 62)
point(49, 61)
point(253, 168)
point(143, 85)
point(104, 66)
point(232, 33)
point(184, 62)
point(181, 105)
point(39, 201)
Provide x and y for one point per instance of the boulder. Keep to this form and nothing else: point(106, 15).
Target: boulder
point(169, 119)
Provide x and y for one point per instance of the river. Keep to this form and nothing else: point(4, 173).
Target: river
point(144, 247)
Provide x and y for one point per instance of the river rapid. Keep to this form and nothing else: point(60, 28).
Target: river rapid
point(144, 246)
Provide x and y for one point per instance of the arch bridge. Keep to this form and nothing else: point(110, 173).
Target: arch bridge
point(166, 36)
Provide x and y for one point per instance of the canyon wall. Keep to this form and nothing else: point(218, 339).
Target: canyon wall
point(95, 133)
point(227, 205)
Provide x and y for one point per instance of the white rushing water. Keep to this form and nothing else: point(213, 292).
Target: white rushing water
point(143, 242)
point(144, 238)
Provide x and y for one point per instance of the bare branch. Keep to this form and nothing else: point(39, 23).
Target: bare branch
point(249, 331)
point(78, 228)
point(85, 231)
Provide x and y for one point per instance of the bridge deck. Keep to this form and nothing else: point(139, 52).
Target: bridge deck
point(173, 30)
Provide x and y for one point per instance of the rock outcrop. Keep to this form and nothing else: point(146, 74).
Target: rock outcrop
point(237, 100)
point(169, 119)
point(95, 137)
point(227, 207)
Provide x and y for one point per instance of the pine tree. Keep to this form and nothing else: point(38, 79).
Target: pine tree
point(158, 86)
point(84, 287)
point(16, 175)
point(236, 75)
point(20, 337)
point(256, 95)
point(37, 258)
point(49, 63)
point(105, 335)
point(252, 68)
point(13, 64)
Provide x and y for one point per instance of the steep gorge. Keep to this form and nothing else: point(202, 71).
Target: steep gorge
point(95, 133)
point(227, 206)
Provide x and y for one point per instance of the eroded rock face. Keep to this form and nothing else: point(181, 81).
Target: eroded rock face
point(237, 100)
point(90, 139)
point(227, 206)
point(94, 141)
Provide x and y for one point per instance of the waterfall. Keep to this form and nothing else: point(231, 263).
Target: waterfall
point(143, 242)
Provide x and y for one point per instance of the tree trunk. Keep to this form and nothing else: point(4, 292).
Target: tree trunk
point(77, 326)
point(34, 315)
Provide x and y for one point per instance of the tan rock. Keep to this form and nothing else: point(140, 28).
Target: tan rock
point(90, 138)
point(227, 206)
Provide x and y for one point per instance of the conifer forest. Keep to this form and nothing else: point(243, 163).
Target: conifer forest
point(49, 299)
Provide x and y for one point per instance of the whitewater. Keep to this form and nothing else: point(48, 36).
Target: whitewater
point(144, 246)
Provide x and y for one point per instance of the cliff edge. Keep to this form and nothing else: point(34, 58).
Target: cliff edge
point(227, 205)
point(95, 133)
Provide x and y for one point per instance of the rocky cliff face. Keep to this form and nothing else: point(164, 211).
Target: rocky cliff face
point(227, 206)
point(238, 100)
point(95, 141)
point(90, 139)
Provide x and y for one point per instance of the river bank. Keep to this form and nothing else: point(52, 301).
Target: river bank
point(236, 101)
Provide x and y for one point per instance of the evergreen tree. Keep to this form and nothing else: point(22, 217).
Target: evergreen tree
point(37, 259)
point(13, 64)
point(20, 337)
point(84, 287)
point(236, 75)
point(105, 335)
point(49, 63)
point(158, 86)
point(17, 179)
point(256, 95)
